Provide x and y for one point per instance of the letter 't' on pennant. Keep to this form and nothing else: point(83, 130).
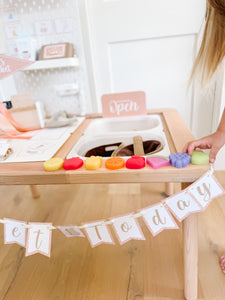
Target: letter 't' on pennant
point(71, 231)
point(14, 232)
point(158, 218)
point(127, 228)
point(206, 189)
point(39, 239)
point(182, 205)
point(98, 233)
point(10, 65)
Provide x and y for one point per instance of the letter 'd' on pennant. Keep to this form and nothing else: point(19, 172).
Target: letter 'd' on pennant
point(158, 218)
point(127, 228)
point(98, 233)
point(15, 233)
point(39, 239)
point(182, 205)
point(206, 189)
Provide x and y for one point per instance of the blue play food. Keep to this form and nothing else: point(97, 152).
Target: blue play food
point(180, 160)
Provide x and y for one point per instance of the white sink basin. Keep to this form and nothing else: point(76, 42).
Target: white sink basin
point(108, 131)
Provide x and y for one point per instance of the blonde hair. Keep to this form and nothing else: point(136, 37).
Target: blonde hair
point(212, 50)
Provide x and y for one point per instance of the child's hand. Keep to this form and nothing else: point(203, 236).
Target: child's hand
point(214, 142)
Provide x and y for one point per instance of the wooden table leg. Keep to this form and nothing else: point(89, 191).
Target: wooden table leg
point(34, 191)
point(190, 237)
point(169, 188)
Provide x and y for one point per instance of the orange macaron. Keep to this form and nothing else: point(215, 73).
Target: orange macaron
point(114, 163)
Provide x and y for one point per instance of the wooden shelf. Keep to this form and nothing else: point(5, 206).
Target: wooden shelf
point(69, 62)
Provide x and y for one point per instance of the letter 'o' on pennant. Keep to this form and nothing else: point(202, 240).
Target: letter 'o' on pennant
point(98, 233)
point(158, 218)
point(182, 205)
point(127, 228)
point(10, 65)
point(206, 189)
point(39, 239)
point(14, 232)
point(71, 231)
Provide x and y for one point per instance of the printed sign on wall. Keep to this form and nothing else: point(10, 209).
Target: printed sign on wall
point(124, 104)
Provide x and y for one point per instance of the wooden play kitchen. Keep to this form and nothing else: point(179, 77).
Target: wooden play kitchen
point(176, 133)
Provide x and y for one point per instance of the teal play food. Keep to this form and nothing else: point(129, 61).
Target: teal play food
point(199, 158)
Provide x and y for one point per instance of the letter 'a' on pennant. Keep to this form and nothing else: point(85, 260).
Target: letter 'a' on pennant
point(71, 231)
point(158, 218)
point(39, 239)
point(182, 205)
point(14, 232)
point(10, 65)
point(127, 228)
point(205, 189)
point(98, 233)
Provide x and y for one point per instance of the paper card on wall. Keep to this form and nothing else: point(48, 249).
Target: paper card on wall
point(14, 232)
point(39, 239)
point(98, 233)
point(127, 228)
point(182, 205)
point(124, 104)
point(158, 218)
point(10, 65)
point(206, 189)
point(71, 231)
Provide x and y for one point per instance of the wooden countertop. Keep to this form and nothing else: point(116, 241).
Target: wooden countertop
point(177, 133)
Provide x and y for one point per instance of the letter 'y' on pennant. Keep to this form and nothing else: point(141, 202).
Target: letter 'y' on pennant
point(14, 232)
point(98, 233)
point(39, 239)
point(127, 228)
point(10, 65)
point(71, 231)
point(182, 205)
point(206, 189)
point(158, 218)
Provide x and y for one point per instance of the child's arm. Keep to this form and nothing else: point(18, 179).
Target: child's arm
point(214, 141)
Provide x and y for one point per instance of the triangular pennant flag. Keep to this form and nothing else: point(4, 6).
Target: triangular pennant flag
point(127, 228)
point(182, 205)
point(14, 232)
point(71, 231)
point(205, 189)
point(10, 65)
point(39, 239)
point(98, 233)
point(158, 218)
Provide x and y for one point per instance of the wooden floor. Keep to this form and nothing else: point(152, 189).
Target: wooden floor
point(150, 269)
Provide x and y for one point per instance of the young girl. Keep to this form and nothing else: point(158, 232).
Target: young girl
point(210, 56)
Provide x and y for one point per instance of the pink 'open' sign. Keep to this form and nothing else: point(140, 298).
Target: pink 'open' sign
point(124, 104)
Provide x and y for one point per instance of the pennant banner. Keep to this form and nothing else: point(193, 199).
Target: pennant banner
point(36, 237)
point(206, 189)
point(127, 228)
point(15, 232)
point(98, 233)
point(10, 65)
point(39, 239)
point(158, 218)
point(71, 231)
point(182, 205)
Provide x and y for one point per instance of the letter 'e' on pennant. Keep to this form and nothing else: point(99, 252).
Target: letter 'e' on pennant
point(10, 65)
point(98, 233)
point(71, 231)
point(127, 228)
point(206, 189)
point(182, 205)
point(14, 232)
point(39, 239)
point(158, 218)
